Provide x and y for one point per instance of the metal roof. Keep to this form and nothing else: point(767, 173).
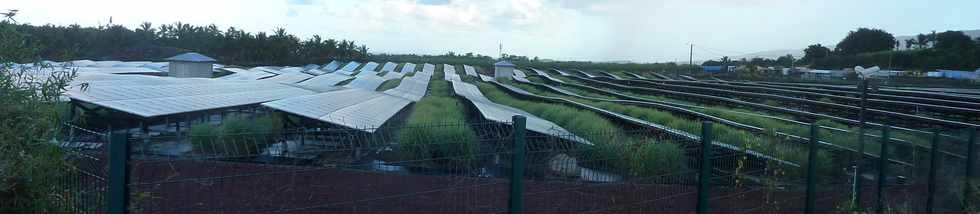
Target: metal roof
point(504, 63)
point(191, 57)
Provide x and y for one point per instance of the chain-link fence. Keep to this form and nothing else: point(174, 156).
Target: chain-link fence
point(491, 167)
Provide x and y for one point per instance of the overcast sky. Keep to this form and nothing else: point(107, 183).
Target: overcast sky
point(595, 30)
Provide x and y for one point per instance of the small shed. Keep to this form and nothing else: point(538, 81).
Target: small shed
point(190, 65)
point(503, 69)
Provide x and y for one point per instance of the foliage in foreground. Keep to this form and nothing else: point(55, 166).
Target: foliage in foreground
point(31, 168)
point(237, 135)
point(435, 131)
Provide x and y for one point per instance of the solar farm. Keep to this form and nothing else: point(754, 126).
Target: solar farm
point(381, 137)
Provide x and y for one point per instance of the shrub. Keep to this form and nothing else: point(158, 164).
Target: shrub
point(435, 131)
point(237, 135)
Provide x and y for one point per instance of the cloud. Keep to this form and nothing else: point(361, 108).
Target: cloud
point(434, 2)
point(292, 12)
point(299, 2)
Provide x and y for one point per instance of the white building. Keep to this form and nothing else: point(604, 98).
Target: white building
point(189, 65)
point(503, 69)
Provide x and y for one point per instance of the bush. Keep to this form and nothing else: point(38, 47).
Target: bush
point(657, 158)
point(435, 130)
point(237, 135)
point(32, 169)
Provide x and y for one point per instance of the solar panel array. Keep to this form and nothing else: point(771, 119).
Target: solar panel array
point(370, 66)
point(560, 72)
point(429, 68)
point(323, 83)
point(611, 75)
point(349, 68)
point(332, 66)
point(450, 74)
point(291, 77)
point(353, 108)
point(520, 76)
point(470, 71)
point(389, 67)
point(393, 75)
point(412, 88)
point(158, 100)
point(270, 69)
point(366, 82)
point(545, 75)
point(486, 78)
point(242, 74)
point(502, 113)
point(409, 67)
point(584, 74)
point(636, 75)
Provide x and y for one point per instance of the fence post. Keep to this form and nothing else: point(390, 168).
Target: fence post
point(933, 159)
point(971, 159)
point(882, 170)
point(118, 194)
point(704, 176)
point(516, 202)
point(811, 171)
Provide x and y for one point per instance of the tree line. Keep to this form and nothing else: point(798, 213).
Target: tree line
point(154, 43)
point(875, 47)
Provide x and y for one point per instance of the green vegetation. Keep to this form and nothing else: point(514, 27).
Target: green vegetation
point(389, 84)
point(32, 168)
point(436, 132)
point(621, 151)
point(236, 136)
point(231, 46)
point(763, 143)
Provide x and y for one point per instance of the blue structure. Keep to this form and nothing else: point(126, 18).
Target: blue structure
point(712, 68)
point(955, 74)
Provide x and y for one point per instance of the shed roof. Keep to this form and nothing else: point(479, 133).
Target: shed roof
point(191, 57)
point(504, 63)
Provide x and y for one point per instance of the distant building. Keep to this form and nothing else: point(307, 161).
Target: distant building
point(718, 68)
point(823, 74)
point(503, 69)
point(955, 74)
point(190, 65)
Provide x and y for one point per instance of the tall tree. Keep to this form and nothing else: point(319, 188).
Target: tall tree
point(953, 40)
point(815, 51)
point(866, 40)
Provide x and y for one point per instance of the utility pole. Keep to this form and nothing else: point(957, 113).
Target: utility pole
point(690, 59)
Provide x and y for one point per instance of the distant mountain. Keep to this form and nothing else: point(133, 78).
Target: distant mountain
point(798, 53)
point(772, 54)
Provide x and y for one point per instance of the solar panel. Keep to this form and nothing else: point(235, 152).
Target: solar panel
point(545, 75)
point(310, 67)
point(332, 66)
point(315, 72)
point(450, 74)
point(349, 68)
point(82, 63)
point(291, 69)
point(366, 82)
point(470, 71)
point(389, 67)
point(353, 108)
point(131, 64)
point(611, 75)
point(105, 63)
point(583, 73)
point(392, 75)
point(116, 70)
point(636, 75)
point(428, 68)
point(486, 78)
point(409, 67)
point(519, 73)
point(158, 100)
point(411, 88)
point(370, 66)
point(560, 72)
point(291, 77)
point(326, 82)
point(160, 66)
point(501, 113)
point(242, 74)
point(270, 69)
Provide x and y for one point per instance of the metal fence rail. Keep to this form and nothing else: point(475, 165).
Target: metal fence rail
point(501, 168)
